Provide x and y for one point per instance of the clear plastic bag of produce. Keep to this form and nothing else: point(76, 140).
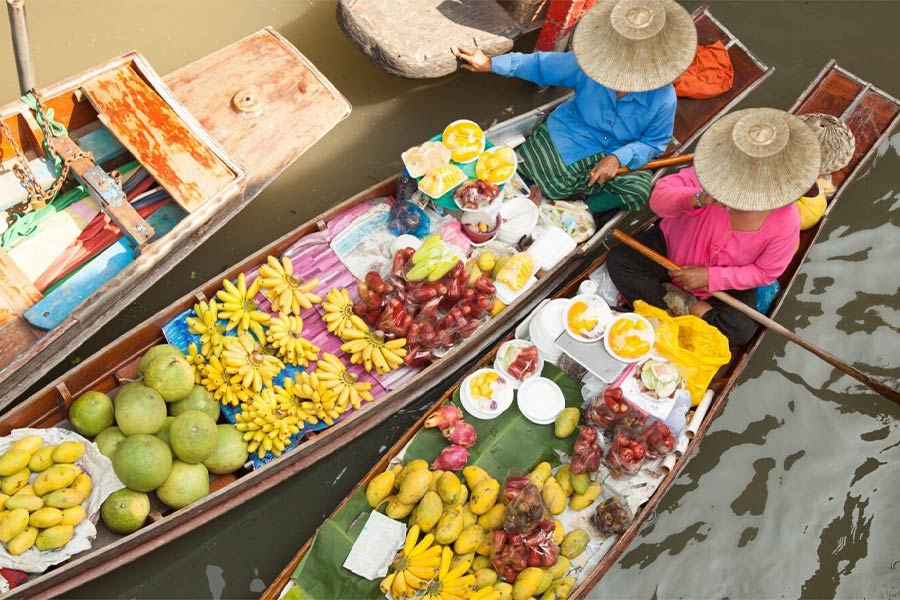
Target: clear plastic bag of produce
point(609, 408)
point(572, 217)
point(612, 516)
point(627, 453)
point(407, 218)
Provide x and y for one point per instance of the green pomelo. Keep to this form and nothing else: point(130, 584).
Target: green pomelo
point(142, 462)
point(163, 432)
point(108, 440)
point(230, 454)
point(171, 376)
point(157, 352)
point(200, 399)
point(193, 436)
point(125, 511)
point(91, 413)
point(139, 409)
point(185, 484)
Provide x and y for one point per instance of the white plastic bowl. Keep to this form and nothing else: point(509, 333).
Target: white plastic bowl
point(503, 396)
point(601, 309)
point(498, 362)
point(540, 400)
point(647, 335)
point(483, 140)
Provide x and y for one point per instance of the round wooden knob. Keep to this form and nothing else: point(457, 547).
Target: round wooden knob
point(247, 100)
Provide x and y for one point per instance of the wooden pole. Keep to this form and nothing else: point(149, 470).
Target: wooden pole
point(18, 28)
point(884, 390)
point(661, 162)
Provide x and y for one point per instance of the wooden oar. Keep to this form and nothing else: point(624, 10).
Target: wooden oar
point(760, 318)
point(661, 162)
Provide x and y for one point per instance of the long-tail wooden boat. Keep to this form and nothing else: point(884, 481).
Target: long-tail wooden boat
point(212, 135)
point(872, 115)
point(116, 363)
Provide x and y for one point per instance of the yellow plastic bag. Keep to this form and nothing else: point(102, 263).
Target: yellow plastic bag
point(694, 346)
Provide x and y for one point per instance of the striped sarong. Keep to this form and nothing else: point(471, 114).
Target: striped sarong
point(540, 162)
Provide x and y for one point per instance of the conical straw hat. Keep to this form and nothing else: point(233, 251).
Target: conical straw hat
point(835, 139)
point(635, 45)
point(757, 159)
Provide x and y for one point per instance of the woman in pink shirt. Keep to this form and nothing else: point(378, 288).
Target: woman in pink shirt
point(730, 223)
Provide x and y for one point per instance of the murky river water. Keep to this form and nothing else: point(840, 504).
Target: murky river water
point(794, 490)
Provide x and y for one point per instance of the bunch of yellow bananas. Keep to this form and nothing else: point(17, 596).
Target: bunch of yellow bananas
point(417, 565)
point(197, 361)
point(451, 584)
point(333, 373)
point(240, 308)
point(286, 291)
point(284, 335)
point(216, 379)
point(320, 401)
point(339, 312)
point(370, 349)
point(248, 364)
point(205, 324)
point(266, 427)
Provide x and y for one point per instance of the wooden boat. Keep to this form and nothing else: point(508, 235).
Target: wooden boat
point(117, 362)
point(212, 135)
point(872, 115)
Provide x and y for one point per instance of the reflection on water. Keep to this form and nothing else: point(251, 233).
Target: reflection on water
point(793, 491)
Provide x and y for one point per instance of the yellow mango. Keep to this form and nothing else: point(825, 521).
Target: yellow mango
point(55, 478)
point(581, 501)
point(449, 526)
point(560, 589)
point(13, 524)
point(493, 518)
point(15, 482)
point(28, 490)
point(484, 496)
point(505, 589)
point(23, 541)
point(396, 470)
point(397, 510)
point(553, 496)
point(474, 475)
point(73, 515)
point(566, 422)
point(42, 459)
point(580, 482)
point(379, 488)
point(527, 583)
point(428, 512)
point(484, 578)
point(413, 465)
point(68, 452)
point(459, 559)
point(485, 548)
point(46, 517)
point(545, 582)
point(3, 499)
point(13, 461)
point(469, 517)
point(435, 480)
point(29, 443)
point(64, 498)
point(54, 537)
point(574, 543)
point(3, 514)
point(540, 474)
point(560, 568)
point(469, 539)
point(449, 487)
point(29, 503)
point(463, 494)
point(481, 562)
point(563, 476)
point(414, 486)
point(83, 484)
point(559, 532)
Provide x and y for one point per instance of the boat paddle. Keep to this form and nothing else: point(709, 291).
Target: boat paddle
point(760, 318)
point(660, 163)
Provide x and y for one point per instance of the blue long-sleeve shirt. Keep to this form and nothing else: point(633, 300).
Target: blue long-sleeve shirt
point(636, 127)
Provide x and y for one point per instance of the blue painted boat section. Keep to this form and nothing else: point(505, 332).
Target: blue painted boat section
point(58, 304)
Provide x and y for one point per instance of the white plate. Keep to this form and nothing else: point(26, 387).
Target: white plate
point(516, 383)
point(540, 400)
point(647, 335)
point(503, 395)
point(507, 296)
point(600, 308)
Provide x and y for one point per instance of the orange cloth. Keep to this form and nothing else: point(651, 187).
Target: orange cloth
point(709, 75)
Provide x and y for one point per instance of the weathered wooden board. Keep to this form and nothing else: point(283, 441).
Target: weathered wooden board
point(414, 38)
point(157, 136)
point(263, 101)
point(17, 290)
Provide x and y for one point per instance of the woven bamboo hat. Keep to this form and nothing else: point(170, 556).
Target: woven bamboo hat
point(757, 159)
point(835, 139)
point(635, 45)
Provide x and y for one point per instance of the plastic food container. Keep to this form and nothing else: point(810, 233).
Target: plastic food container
point(551, 247)
point(540, 400)
point(546, 325)
point(507, 352)
point(645, 333)
point(520, 215)
point(486, 408)
point(587, 306)
point(453, 148)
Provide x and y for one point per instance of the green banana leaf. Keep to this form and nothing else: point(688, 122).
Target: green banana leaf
point(509, 444)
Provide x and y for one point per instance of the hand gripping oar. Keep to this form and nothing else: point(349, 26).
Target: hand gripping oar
point(660, 162)
point(760, 318)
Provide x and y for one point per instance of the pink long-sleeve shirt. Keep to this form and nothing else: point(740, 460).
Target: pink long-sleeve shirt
point(703, 237)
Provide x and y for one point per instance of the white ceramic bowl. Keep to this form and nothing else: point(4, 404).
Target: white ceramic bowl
point(540, 400)
point(600, 309)
point(479, 407)
point(500, 366)
point(647, 334)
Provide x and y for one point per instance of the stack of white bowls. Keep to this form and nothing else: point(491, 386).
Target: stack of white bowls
point(547, 324)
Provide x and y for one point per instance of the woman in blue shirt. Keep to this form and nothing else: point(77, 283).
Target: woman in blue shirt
point(626, 54)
